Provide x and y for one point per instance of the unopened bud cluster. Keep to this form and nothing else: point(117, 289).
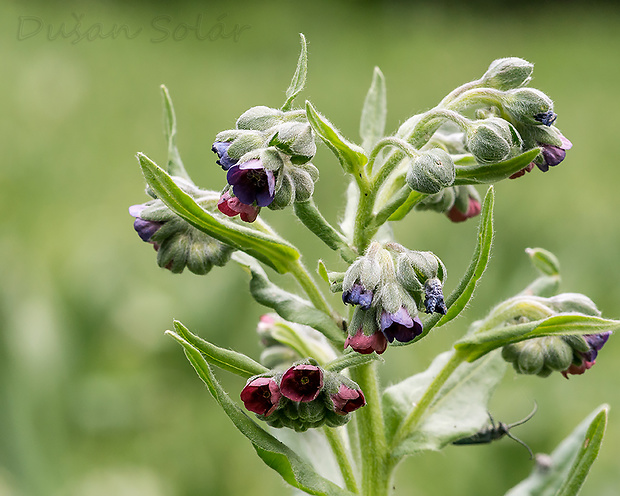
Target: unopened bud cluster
point(568, 354)
point(267, 161)
point(177, 243)
point(304, 396)
point(387, 286)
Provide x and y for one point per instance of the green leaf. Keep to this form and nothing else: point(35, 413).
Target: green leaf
point(229, 360)
point(289, 306)
point(351, 156)
point(291, 467)
point(459, 409)
point(412, 200)
point(564, 324)
point(374, 112)
point(492, 173)
point(462, 294)
point(350, 360)
point(175, 164)
point(273, 251)
point(570, 461)
point(299, 78)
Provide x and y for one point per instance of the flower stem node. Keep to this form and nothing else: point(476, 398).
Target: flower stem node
point(508, 73)
point(177, 243)
point(431, 172)
point(304, 396)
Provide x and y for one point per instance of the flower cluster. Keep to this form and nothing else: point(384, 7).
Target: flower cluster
point(570, 354)
point(387, 286)
point(177, 243)
point(304, 396)
point(267, 162)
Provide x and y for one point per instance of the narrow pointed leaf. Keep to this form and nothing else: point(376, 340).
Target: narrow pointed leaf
point(350, 155)
point(374, 112)
point(299, 78)
point(459, 410)
point(270, 250)
point(412, 200)
point(480, 343)
point(462, 294)
point(492, 173)
point(175, 165)
point(291, 467)
point(288, 305)
point(570, 461)
point(229, 360)
point(544, 261)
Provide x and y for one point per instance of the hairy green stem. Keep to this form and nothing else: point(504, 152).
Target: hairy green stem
point(299, 272)
point(334, 438)
point(376, 467)
point(411, 421)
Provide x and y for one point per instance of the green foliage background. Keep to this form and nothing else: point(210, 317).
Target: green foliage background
point(94, 399)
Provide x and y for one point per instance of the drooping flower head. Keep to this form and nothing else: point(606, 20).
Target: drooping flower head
point(347, 400)
point(400, 326)
point(364, 344)
point(231, 206)
point(252, 183)
point(261, 395)
point(302, 382)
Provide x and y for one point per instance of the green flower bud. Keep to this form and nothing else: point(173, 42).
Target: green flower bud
point(244, 145)
point(492, 140)
point(440, 202)
point(296, 140)
point(529, 106)
point(431, 172)
point(574, 302)
point(260, 118)
point(508, 73)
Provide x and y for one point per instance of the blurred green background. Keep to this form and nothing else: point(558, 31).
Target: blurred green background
point(94, 399)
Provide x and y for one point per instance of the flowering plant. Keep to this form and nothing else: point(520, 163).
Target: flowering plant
point(319, 367)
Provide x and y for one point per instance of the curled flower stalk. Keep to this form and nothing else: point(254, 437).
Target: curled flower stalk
point(321, 354)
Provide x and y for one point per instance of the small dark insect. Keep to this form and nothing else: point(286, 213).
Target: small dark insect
point(546, 118)
point(497, 431)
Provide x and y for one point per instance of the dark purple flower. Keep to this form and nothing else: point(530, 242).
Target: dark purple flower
point(231, 206)
point(358, 295)
point(400, 326)
point(347, 400)
point(261, 395)
point(553, 155)
point(144, 228)
point(547, 118)
point(367, 344)
point(302, 383)
point(588, 358)
point(473, 209)
point(221, 149)
point(251, 183)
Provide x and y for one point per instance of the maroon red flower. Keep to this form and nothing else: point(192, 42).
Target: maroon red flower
point(302, 383)
point(367, 344)
point(473, 209)
point(261, 395)
point(231, 206)
point(347, 400)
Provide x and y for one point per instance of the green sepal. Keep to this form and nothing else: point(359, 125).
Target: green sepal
point(229, 360)
point(459, 409)
point(270, 250)
point(492, 173)
point(374, 112)
point(544, 261)
point(291, 467)
point(288, 305)
point(175, 165)
point(570, 462)
point(322, 271)
point(480, 343)
point(350, 360)
point(299, 78)
point(350, 155)
point(462, 294)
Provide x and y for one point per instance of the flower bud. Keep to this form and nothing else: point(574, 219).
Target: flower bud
point(584, 360)
point(362, 278)
point(466, 204)
point(179, 244)
point(224, 160)
point(492, 140)
point(261, 395)
point(296, 140)
point(259, 118)
point(232, 206)
point(529, 106)
point(364, 334)
point(347, 399)
point(431, 172)
point(508, 73)
point(539, 356)
point(434, 302)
